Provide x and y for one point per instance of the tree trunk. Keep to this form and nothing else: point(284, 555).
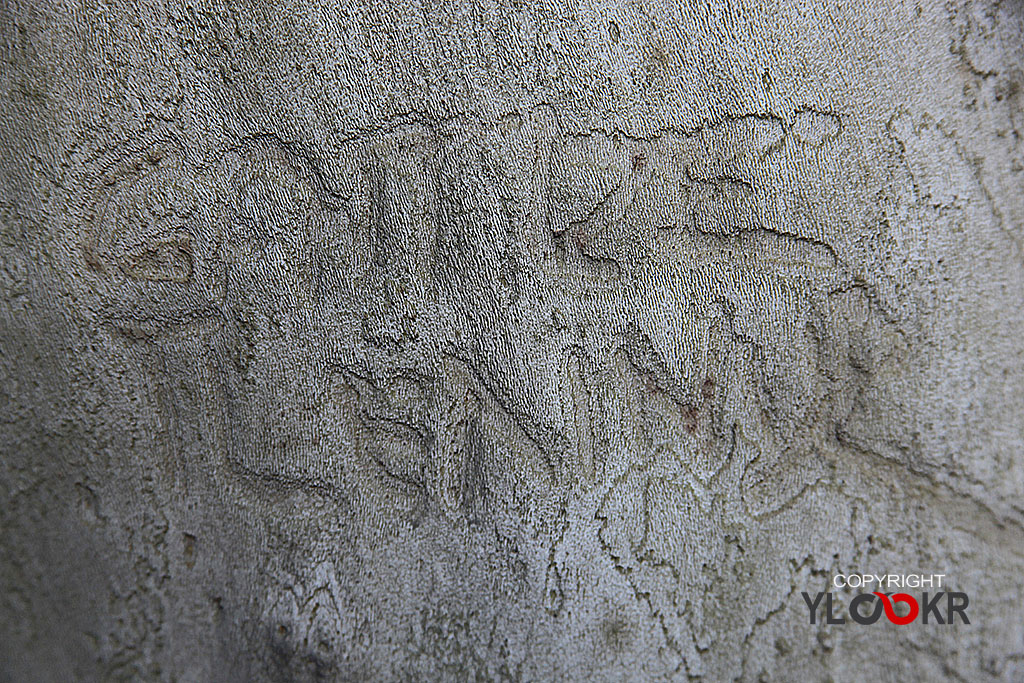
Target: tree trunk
point(481, 341)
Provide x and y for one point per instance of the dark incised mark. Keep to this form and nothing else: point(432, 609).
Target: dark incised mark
point(474, 475)
point(189, 544)
point(707, 389)
point(164, 260)
point(690, 415)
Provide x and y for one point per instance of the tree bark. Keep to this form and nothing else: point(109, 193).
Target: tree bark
point(479, 340)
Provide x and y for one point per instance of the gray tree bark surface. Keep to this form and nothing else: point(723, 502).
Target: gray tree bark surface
point(532, 341)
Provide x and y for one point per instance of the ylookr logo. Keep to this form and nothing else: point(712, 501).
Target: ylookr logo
point(867, 608)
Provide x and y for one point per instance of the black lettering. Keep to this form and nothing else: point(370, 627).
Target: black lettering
point(960, 609)
point(931, 607)
point(830, 615)
point(855, 609)
point(812, 606)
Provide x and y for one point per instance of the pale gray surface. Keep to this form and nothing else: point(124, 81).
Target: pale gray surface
point(561, 341)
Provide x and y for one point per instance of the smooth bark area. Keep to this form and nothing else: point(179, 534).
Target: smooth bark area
point(477, 340)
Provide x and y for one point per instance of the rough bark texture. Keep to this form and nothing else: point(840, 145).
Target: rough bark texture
point(534, 341)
